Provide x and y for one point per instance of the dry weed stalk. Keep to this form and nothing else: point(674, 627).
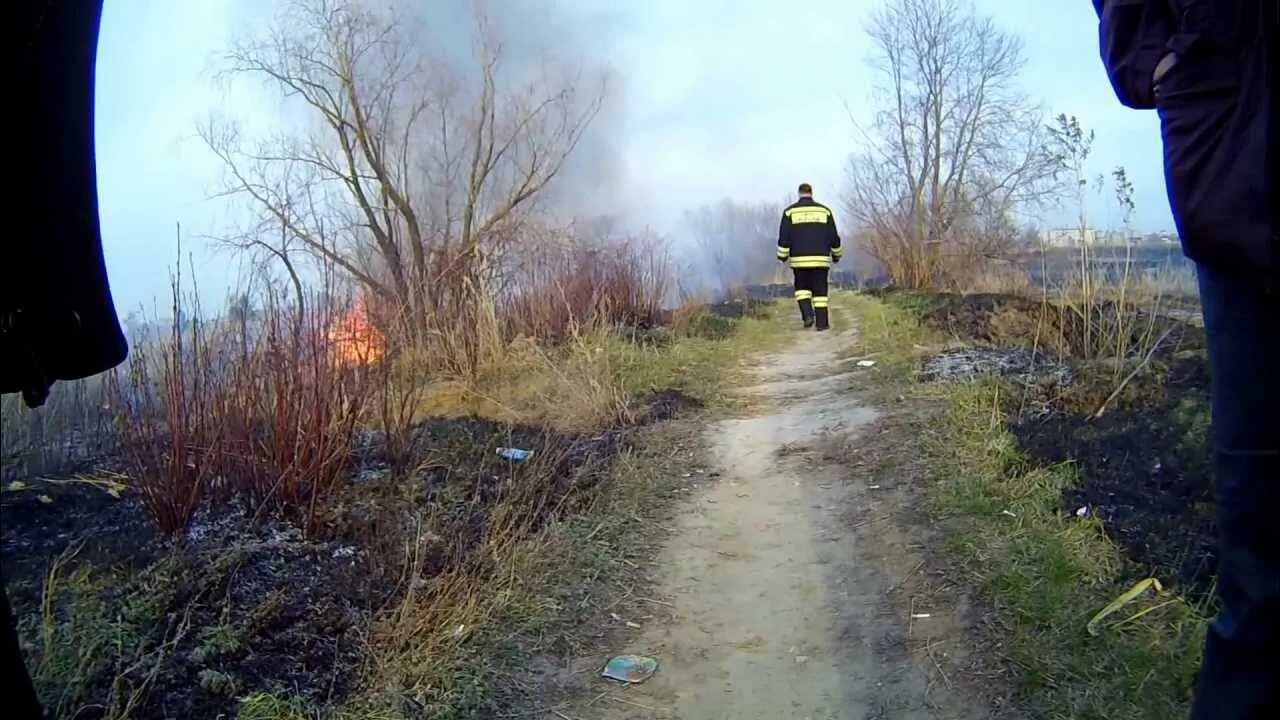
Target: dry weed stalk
point(254, 409)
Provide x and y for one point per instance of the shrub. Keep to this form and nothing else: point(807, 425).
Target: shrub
point(256, 409)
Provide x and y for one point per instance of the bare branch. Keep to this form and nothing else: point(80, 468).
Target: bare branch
point(406, 176)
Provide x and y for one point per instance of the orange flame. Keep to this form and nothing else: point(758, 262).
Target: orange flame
point(355, 341)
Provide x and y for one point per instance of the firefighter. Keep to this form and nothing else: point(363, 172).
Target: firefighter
point(809, 243)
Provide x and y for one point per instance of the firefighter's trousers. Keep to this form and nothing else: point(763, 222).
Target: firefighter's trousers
point(811, 296)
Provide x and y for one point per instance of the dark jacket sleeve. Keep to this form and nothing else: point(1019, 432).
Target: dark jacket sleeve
point(784, 238)
point(1132, 37)
point(57, 316)
point(836, 250)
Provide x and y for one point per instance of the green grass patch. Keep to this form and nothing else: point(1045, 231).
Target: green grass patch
point(264, 706)
point(1043, 574)
point(703, 360)
point(890, 334)
point(100, 637)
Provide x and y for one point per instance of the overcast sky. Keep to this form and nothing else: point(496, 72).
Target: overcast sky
point(711, 99)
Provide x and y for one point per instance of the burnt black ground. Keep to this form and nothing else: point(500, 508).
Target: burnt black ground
point(1145, 473)
point(1143, 467)
point(664, 405)
point(34, 532)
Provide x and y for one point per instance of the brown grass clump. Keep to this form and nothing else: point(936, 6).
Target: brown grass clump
point(256, 410)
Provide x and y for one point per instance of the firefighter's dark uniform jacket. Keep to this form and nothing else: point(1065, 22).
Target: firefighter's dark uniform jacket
point(807, 236)
point(1217, 114)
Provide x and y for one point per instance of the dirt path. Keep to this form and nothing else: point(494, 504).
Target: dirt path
point(764, 608)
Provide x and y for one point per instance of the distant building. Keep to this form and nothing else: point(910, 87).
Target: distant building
point(1154, 239)
point(1070, 237)
point(1066, 237)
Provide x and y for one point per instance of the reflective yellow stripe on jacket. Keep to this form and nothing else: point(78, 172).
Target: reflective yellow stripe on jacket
point(808, 214)
point(810, 261)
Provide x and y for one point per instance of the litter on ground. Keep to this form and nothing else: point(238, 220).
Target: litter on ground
point(515, 454)
point(1123, 599)
point(630, 668)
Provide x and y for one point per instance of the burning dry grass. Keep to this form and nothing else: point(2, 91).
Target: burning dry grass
point(263, 409)
point(316, 466)
point(262, 413)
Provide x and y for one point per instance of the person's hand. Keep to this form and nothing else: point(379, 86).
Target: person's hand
point(1162, 68)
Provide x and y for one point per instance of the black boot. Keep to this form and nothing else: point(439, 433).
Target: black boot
point(823, 320)
point(806, 312)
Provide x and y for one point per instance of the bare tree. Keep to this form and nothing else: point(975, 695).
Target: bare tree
point(954, 149)
point(736, 240)
point(410, 173)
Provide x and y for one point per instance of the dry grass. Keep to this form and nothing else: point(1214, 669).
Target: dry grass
point(560, 292)
point(572, 388)
point(458, 644)
point(450, 647)
point(255, 408)
point(1000, 277)
point(1107, 312)
point(588, 382)
point(256, 412)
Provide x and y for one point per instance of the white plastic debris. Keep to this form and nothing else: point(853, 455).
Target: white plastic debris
point(515, 454)
point(1082, 511)
point(866, 363)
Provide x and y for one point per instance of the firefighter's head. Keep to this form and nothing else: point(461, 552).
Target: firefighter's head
point(805, 190)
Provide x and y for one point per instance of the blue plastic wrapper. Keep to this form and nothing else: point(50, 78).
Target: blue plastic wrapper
point(630, 668)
